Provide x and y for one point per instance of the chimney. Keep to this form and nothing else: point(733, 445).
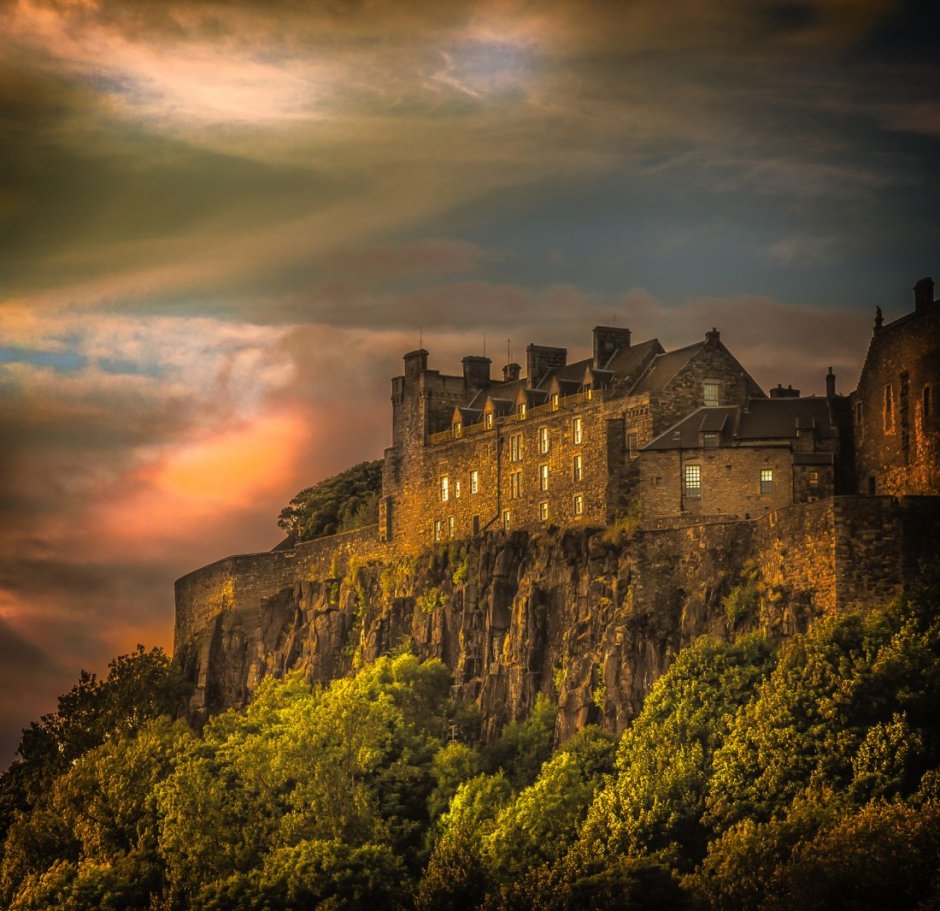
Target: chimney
point(778, 392)
point(540, 359)
point(830, 384)
point(923, 295)
point(511, 373)
point(476, 373)
point(607, 341)
point(416, 362)
point(713, 337)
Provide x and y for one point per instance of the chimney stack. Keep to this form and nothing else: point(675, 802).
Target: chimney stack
point(476, 373)
point(713, 337)
point(923, 295)
point(511, 373)
point(607, 341)
point(540, 359)
point(778, 392)
point(830, 384)
point(416, 362)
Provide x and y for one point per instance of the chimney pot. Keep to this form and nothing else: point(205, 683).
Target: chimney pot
point(830, 384)
point(511, 373)
point(608, 340)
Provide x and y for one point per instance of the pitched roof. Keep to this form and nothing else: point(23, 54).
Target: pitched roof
point(685, 434)
point(627, 362)
point(665, 367)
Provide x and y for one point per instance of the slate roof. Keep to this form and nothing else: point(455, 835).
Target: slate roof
point(627, 362)
point(665, 368)
point(764, 420)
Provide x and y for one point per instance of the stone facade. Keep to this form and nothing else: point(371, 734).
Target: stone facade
point(896, 413)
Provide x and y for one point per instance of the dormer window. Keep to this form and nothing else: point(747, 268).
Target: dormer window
point(522, 411)
point(555, 400)
point(589, 392)
point(458, 430)
point(488, 420)
point(710, 440)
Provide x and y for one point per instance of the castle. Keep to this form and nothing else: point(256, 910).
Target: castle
point(671, 435)
point(487, 552)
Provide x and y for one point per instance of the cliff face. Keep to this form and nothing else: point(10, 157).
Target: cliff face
point(588, 617)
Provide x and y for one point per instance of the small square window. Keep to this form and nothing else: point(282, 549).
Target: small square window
point(474, 481)
point(506, 518)
point(814, 478)
point(578, 504)
point(543, 511)
point(577, 472)
point(543, 476)
point(445, 489)
point(766, 481)
point(576, 434)
point(692, 481)
point(543, 440)
point(710, 394)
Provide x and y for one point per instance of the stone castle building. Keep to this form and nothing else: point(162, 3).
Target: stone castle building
point(662, 435)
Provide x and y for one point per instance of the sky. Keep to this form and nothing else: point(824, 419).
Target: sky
point(223, 223)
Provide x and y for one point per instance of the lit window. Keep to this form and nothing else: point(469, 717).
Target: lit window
point(515, 447)
point(445, 489)
point(437, 529)
point(451, 526)
point(456, 490)
point(710, 394)
point(814, 478)
point(515, 485)
point(458, 430)
point(474, 481)
point(766, 480)
point(522, 411)
point(506, 518)
point(488, 420)
point(889, 409)
point(692, 481)
point(543, 440)
point(577, 474)
point(710, 440)
point(554, 401)
point(543, 511)
point(578, 504)
point(589, 393)
point(576, 430)
point(632, 445)
point(543, 477)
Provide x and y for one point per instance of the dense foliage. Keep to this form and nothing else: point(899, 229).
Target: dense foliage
point(757, 776)
point(346, 501)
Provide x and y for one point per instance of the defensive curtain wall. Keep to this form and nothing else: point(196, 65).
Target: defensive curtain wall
point(319, 605)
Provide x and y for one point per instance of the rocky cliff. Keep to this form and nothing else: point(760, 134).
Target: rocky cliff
point(588, 617)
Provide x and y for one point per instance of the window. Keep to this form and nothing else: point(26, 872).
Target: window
point(437, 529)
point(522, 411)
point(543, 511)
point(577, 473)
point(814, 478)
point(488, 420)
point(710, 394)
point(692, 481)
point(543, 440)
point(445, 489)
point(515, 485)
point(456, 490)
point(576, 430)
point(578, 504)
point(475, 525)
point(543, 476)
point(555, 400)
point(451, 526)
point(458, 430)
point(632, 445)
point(766, 481)
point(710, 440)
point(925, 405)
point(589, 393)
point(474, 481)
point(515, 447)
point(889, 409)
point(506, 518)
